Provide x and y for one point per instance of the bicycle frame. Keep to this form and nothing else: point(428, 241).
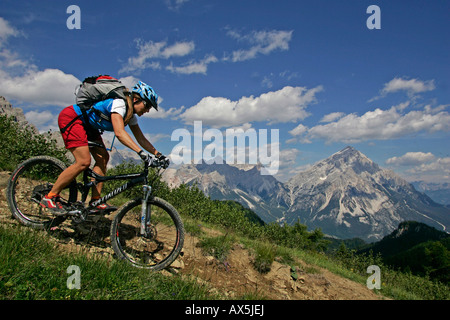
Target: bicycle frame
point(135, 179)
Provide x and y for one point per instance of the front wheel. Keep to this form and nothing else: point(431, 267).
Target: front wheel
point(161, 244)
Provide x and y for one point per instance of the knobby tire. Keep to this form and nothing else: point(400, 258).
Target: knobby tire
point(157, 251)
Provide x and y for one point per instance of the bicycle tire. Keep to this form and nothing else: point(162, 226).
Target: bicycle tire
point(29, 181)
point(166, 241)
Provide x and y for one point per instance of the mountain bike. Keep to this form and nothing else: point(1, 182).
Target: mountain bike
point(147, 232)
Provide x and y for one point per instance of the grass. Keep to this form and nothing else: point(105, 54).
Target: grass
point(394, 284)
point(264, 256)
point(218, 247)
point(32, 268)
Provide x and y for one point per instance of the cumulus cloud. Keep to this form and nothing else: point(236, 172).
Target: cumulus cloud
point(436, 167)
point(9, 60)
point(44, 120)
point(381, 125)
point(411, 159)
point(149, 51)
point(262, 42)
point(299, 130)
point(164, 113)
point(150, 55)
point(47, 87)
point(332, 116)
point(411, 87)
point(22, 81)
point(423, 167)
point(285, 105)
point(194, 66)
point(6, 31)
point(129, 81)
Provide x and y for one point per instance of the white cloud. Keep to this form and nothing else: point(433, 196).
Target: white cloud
point(150, 54)
point(299, 130)
point(422, 166)
point(22, 81)
point(262, 42)
point(47, 87)
point(381, 125)
point(6, 31)
point(129, 81)
point(194, 66)
point(162, 113)
point(44, 120)
point(9, 60)
point(179, 49)
point(288, 161)
point(412, 87)
point(332, 116)
point(285, 105)
point(435, 171)
point(411, 159)
point(439, 166)
point(148, 51)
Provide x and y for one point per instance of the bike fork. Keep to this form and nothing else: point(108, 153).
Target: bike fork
point(146, 212)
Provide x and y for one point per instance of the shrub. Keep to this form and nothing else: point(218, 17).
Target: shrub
point(218, 247)
point(265, 254)
point(18, 143)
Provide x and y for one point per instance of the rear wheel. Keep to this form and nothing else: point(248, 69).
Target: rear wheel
point(31, 181)
point(160, 246)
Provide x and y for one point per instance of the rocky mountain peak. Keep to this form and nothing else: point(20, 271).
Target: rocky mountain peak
point(6, 108)
point(350, 158)
point(346, 165)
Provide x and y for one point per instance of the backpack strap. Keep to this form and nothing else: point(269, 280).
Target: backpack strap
point(69, 124)
point(89, 129)
point(129, 111)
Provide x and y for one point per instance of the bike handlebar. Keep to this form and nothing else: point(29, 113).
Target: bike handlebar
point(157, 163)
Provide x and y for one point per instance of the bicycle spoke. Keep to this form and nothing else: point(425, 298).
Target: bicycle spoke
point(160, 243)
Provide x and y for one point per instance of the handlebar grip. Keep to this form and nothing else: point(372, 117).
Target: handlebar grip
point(155, 163)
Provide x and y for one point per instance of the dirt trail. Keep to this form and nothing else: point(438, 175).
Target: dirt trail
point(234, 278)
point(237, 277)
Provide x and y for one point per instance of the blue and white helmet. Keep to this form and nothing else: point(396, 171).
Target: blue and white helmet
point(147, 93)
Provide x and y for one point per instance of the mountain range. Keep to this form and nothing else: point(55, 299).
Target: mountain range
point(346, 195)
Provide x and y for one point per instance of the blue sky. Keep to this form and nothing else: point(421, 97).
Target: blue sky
point(311, 69)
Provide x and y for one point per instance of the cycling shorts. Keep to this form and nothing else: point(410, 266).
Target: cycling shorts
point(75, 135)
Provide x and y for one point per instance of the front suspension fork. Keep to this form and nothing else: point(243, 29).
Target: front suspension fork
point(146, 210)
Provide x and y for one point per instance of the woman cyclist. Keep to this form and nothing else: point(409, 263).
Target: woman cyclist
point(76, 135)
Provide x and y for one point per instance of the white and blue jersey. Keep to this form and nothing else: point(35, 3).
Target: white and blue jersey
point(106, 107)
